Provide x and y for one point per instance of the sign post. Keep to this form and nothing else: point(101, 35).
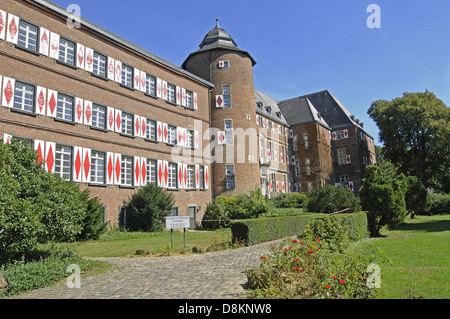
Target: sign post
point(173, 222)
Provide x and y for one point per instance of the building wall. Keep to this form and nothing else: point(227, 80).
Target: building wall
point(311, 147)
point(242, 155)
point(40, 70)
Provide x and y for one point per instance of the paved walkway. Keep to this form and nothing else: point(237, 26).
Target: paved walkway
point(216, 275)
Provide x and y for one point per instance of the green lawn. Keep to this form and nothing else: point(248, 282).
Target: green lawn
point(419, 251)
point(125, 244)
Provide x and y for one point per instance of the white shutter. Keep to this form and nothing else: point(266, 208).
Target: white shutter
point(80, 56)
point(143, 126)
point(7, 138)
point(158, 88)
point(159, 131)
point(178, 99)
point(334, 136)
point(41, 100)
point(221, 138)
point(87, 113)
point(143, 171)
point(137, 171)
point(111, 68)
point(52, 101)
point(77, 164)
point(143, 82)
point(183, 97)
point(86, 165)
point(39, 147)
point(118, 121)
point(179, 136)
point(184, 142)
point(54, 46)
point(89, 63)
point(196, 140)
point(291, 133)
point(118, 71)
point(165, 132)
point(110, 118)
point(2, 24)
point(195, 101)
point(50, 157)
point(219, 101)
point(12, 29)
point(137, 126)
point(180, 175)
point(79, 110)
point(349, 159)
point(283, 187)
point(166, 174)
point(197, 176)
point(206, 177)
point(136, 79)
point(109, 168)
point(257, 120)
point(350, 185)
point(345, 133)
point(164, 90)
point(8, 92)
point(185, 183)
point(44, 41)
point(160, 173)
point(117, 168)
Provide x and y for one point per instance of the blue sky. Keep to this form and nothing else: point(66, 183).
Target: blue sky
point(301, 46)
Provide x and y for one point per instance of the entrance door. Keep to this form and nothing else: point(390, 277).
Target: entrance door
point(192, 213)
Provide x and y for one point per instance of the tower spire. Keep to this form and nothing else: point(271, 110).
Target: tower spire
point(217, 23)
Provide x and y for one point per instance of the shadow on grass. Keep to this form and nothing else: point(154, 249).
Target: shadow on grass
point(432, 226)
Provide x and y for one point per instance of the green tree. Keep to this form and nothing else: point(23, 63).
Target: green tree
point(148, 208)
point(382, 195)
point(330, 199)
point(415, 130)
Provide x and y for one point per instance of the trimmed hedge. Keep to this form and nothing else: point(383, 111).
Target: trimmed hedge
point(254, 231)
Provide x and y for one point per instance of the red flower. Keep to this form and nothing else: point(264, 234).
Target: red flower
point(263, 258)
point(295, 260)
point(342, 281)
point(298, 269)
point(295, 241)
point(327, 286)
point(318, 240)
point(310, 251)
point(334, 277)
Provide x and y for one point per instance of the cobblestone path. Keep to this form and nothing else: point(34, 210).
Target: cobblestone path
point(216, 275)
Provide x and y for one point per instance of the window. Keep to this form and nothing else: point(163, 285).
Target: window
point(66, 51)
point(63, 161)
point(99, 65)
point(229, 176)
point(342, 155)
point(127, 123)
point(150, 86)
point(173, 211)
point(172, 178)
point(297, 170)
point(98, 116)
point(126, 176)
point(262, 151)
point(97, 167)
point(171, 93)
point(64, 108)
point(28, 35)
point(189, 138)
point(150, 130)
point(189, 100)
point(202, 177)
point(24, 97)
point(272, 156)
point(151, 171)
point(343, 180)
point(226, 96)
point(190, 177)
point(127, 76)
point(228, 125)
point(171, 134)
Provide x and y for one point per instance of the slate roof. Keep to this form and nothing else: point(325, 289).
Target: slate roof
point(266, 101)
point(301, 111)
point(331, 110)
point(128, 44)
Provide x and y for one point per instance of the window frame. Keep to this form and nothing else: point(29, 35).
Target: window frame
point(61, 51)
point(94, 105)
point(226, 97)
point(124, 81)
point(62, 94)
point(149, 124)
point(59, 169)
point(172, 178)
point(127, 124)
point(94, 168)
point(126, 171)
point(150, 85)
point(33, 98)
point(152, 178)
point(230, 177)
point(25, 47)
point(105, 75)
point(171, 134)
point(171, 93)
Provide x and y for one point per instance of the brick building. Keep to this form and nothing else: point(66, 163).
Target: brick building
point(112, 116)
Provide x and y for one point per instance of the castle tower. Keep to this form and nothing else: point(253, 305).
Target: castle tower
point(233, 114)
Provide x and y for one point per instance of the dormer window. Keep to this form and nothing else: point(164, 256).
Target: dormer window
point(259, 105)
point(278, 114)
point(268, 109)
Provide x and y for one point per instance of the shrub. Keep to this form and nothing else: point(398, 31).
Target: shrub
point(415, 196)
point(330, 231)
point(93, 224)
point(148, 208)
point(383, 196)
point(289, 200)
point(330, 199)
point(439, 204)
